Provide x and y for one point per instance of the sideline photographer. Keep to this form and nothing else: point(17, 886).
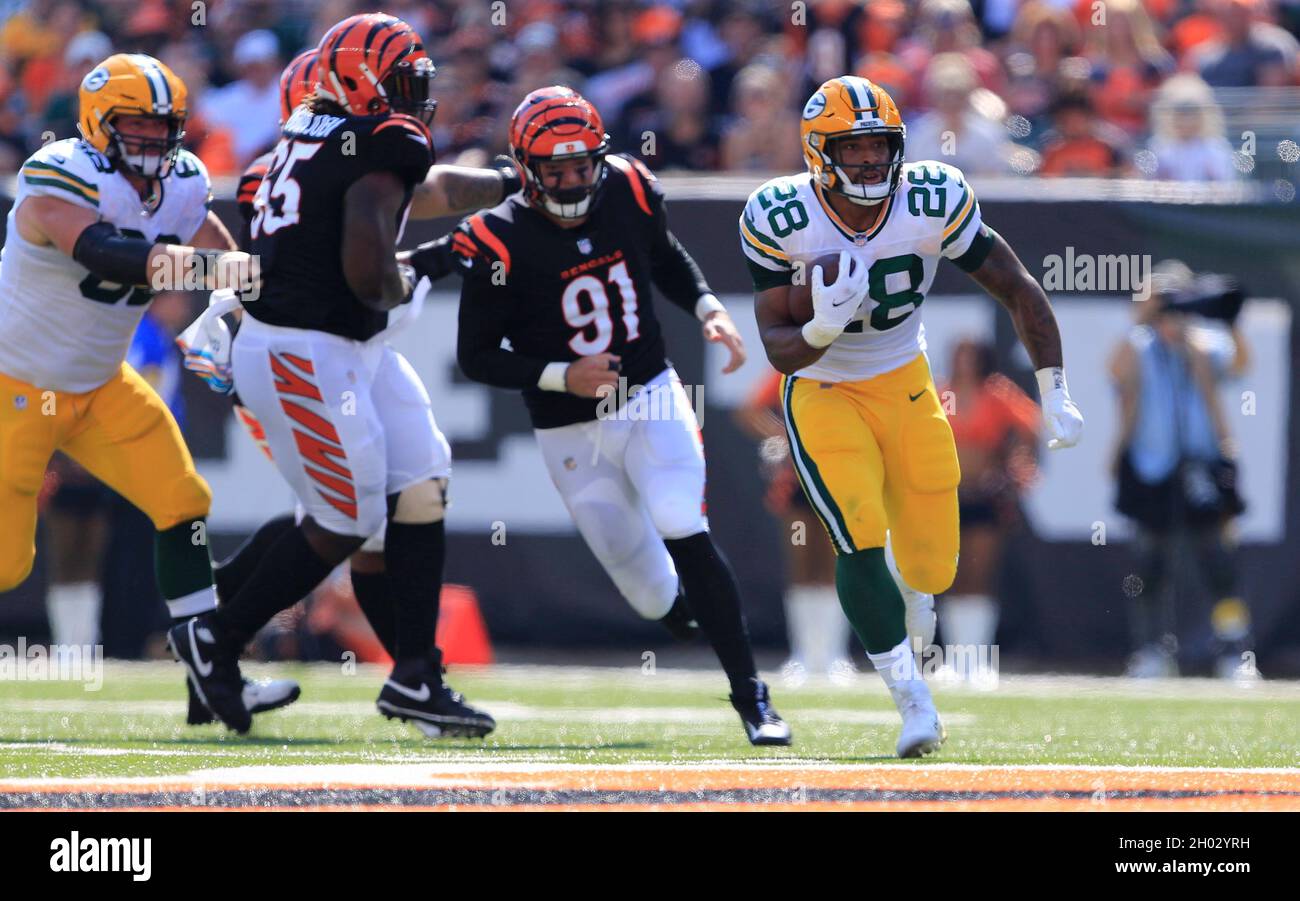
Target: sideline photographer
point(1175, 464)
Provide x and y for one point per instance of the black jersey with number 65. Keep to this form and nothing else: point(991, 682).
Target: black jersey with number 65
point(557, 294)
point(297, 226)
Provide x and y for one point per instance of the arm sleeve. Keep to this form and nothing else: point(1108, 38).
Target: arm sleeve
point(484, 319)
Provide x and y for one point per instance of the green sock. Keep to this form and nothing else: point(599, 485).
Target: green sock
point(183, 565)
point(870, 599)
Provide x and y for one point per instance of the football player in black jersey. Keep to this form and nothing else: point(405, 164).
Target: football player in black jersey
point(564, 272)
point(446, 190)
point(346, 419)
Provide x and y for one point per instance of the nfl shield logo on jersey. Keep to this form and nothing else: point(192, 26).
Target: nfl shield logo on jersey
point(584, 245)
point(20, 402)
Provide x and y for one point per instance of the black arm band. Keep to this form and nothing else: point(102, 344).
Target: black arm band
point(113, 256)
point(512, 182)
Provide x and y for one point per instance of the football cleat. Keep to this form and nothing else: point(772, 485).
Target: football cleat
point(259, 697)
point(415, 693)
point(923, 732)
point(763, 724)
point(213, 668)
point(680, 621)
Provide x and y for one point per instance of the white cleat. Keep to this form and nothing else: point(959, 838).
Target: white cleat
point(923, 732)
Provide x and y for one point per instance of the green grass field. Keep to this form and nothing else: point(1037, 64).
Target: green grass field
point(134, 725)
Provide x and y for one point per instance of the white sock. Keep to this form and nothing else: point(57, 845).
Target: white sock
point(919, 606)
point(73, 609)
point(897, 667)
point(968, 620)
point(819, 632)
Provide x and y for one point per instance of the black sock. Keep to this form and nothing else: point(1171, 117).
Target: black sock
point(714, 598)
point(287, 573)
point(237, 569)
point(413, 556)
point(376, 602)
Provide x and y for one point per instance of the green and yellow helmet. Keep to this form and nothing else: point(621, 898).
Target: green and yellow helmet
point(133, 84)
point(851, 105)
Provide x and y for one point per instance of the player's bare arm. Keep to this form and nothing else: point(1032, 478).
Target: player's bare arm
point(783, 339)
point(101, 248)
point(1005, 277)
point(370, 214)
point(449, 190)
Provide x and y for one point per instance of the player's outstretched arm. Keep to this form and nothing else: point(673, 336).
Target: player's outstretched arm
point(451, 190)
point(78, 232)
point(1005, 277)
point(370, 214)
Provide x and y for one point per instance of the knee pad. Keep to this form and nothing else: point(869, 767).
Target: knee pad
point(677, 514)
point(189, 498)
point(610, 533)
point(932, 576)
point(421, 503)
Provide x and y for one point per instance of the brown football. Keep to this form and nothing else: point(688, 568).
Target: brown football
point(801, 308)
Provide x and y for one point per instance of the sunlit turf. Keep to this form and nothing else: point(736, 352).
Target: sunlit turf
point(134, 725)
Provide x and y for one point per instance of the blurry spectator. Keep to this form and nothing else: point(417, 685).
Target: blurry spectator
point(472, 103)
point(946, 27)
point(628, 91)
point(995, 427)
point(744, 31)
point(1175, 471)
point(1128, 62)
point(539, 63)
point(41, 73)
point(954, 131)
point(1188, 140)
point(678, 130)
point(1043, 38)
point(888, 71)
point(1198, 27)
point(764, 137)
point(249, 109)
point(83, 53)
point(1080, 144)
point(1250, 53)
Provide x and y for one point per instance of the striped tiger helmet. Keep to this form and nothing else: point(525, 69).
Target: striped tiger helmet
point(845, 106)
point(552, 124)
point(133, 84)
point(297, 81)
point(374, 63)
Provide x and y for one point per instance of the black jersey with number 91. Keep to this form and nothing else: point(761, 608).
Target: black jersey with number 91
point(297, 225)
point(557, 294)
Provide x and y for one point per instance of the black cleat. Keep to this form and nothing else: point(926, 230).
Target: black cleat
point(259, 697)
point(680, 621)
point(763, 724)
point(213, 668)
point(416, 693)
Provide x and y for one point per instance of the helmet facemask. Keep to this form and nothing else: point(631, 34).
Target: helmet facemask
point(837, 175)
point(408, 87)
point(566, 203)
point(144, 156)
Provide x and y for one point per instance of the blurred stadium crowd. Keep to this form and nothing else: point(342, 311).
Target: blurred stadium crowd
point(1050, 87)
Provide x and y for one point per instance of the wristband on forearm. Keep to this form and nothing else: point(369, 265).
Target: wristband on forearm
point(1051, 378)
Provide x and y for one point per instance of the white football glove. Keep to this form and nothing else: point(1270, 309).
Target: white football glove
point(1061, 418)
point(206, 343)
point(834, 305)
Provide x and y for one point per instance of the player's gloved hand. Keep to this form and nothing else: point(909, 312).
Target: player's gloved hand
point(206, 344)
point(834, 305)
point(431, 260)
point(1061, 418)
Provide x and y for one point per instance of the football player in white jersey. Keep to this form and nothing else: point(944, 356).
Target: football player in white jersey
point(98, 221)
point(871, 443)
